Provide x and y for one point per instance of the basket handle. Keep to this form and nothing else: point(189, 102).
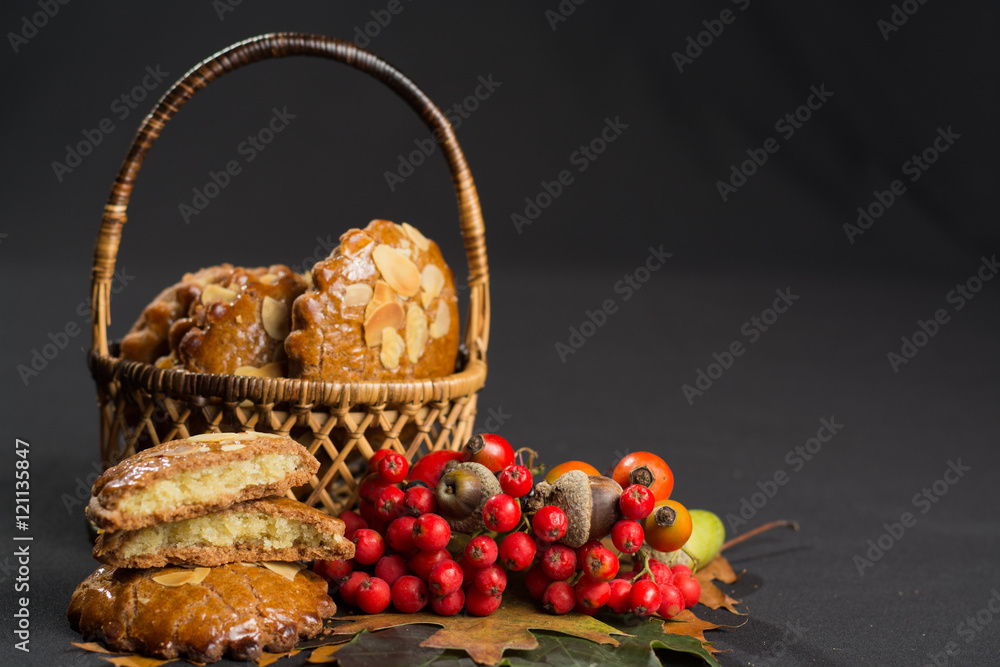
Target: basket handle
point(280, 45)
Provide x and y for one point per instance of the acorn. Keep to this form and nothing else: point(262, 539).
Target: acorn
point(589, 501)
point(462, 492)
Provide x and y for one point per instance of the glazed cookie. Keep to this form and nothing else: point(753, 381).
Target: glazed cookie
point(185, 478)
point(148, 339)
point(240, 323)
point(272, 529)
point(382, 307)
point(201, 614)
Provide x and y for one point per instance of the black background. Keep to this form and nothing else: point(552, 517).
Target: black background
point(655, 185)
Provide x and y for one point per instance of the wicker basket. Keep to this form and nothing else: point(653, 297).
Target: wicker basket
point(342, 424)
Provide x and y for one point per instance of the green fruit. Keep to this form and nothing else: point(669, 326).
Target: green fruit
point(707, 535)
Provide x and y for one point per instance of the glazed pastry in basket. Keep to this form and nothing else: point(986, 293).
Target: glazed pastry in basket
point(222, 319)
point(271, 529)
point(201, 614)
point(239, 323)
point(382, 307)
point(148, 340)
point(184, 478)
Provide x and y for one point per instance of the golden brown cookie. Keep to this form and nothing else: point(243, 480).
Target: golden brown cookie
point(148, 339)
point(272, 529)
point(201, 614)
point(382, 307)
point(240, 322)
point(192, 476)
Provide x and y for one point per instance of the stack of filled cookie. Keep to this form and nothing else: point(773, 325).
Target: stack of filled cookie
point(201, 552)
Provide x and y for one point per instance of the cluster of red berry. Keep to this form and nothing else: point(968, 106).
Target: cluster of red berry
point(402, 557)
point(588, 578)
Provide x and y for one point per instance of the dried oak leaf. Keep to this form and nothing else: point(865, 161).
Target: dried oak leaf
point(136, 661)
point(688, 625)
point(324, 654)
point(711, 596)
point(486, 638)
point(269, 658)
point(93, 647)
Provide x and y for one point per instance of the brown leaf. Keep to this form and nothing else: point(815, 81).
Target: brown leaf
point(686, 623)
point(93, 647)
point(486, 638)
point(711, 596)
point(719, 569)
point(268, 658)
point(136, 661)
point(324, 654)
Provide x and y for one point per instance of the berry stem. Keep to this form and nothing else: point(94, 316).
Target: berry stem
point(645, 566)
point(782, 523)
point(531, 453)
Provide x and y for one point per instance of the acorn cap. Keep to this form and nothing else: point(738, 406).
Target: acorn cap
point(589, 501)
point(489, 486)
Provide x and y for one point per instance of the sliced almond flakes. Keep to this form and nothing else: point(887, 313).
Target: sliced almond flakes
point(275, 318)
point(286, 570)
point(419, 239)
point(431, 283)
point(392, 348)
point(214, 437)
point(416, 333)
point(213, 293)
point(387, 315)
point(358, 294)
point(442, 320)
point(271, 370)
point(398, 270)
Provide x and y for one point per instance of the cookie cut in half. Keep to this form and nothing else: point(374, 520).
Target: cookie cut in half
point(185, 478)
point(201, 614)
point(266, 529)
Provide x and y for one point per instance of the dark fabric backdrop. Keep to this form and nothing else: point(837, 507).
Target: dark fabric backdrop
point(686, 94)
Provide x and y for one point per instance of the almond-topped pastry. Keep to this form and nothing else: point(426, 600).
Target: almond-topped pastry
point(239, 323)
point(382, 307)
point(271, 529)
point(149, 338)
point(201, 614)
point(192, 476)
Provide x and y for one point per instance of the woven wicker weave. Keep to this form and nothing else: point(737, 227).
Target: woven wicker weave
point(342, 424)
